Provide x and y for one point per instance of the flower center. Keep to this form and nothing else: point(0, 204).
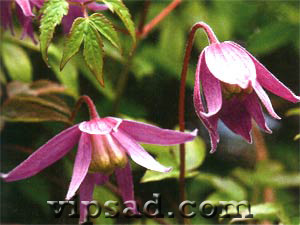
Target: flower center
point(107, 154)
point(231, 90)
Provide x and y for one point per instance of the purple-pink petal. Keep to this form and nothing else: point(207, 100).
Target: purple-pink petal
point(26, 23)
point(86, 193)
point(125, 183)
point(265, 99)
point(252, 105)
point(230, 64)
point(97, 7)
point(25, 6)
point(209, 122)
point(146, 133)
point(5, 15)
point(211, 88)
point(101, 179)
point(137, 153)
point(271, 83)
point(100, 126)
point(46, 155)
point(73, 13)
point(81, 165)
point(236, 118)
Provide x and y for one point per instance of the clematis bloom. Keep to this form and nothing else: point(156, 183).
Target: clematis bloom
point(24, 14)
point(104, 144)
point(233, 83)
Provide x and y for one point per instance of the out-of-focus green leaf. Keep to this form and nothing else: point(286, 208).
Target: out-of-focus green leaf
point(225, 186)
point(102, 194)
point(16, 62)
point(74, 40)
point(2, 77)
point(268, 173)
point(34, 89)
point(33, 109)
point(118, 7)
point(271, 37)
point(105, 27)
point(93, 54)
point(293, 112)
point(53, 12)
point(169, 157)
point(68, 76)
point(266, 211)
point(297, 137)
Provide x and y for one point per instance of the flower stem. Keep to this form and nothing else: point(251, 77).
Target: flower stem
point(90, 104)
point(147, 28)
point(262, 155)
point(212, 39)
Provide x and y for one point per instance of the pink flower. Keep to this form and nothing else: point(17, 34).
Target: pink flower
point(24, 14)
point(102, 149)
point(232, 82)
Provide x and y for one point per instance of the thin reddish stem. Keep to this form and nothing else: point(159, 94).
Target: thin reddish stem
point(154, 22)
point(262, 155)
point(90, 104)
point(212, 39)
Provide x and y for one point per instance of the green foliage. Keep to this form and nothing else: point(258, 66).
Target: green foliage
point(53, 12)
point(118, 7)
point(169, 156)
point(268, 174)
point(93, 54)
point(21, 68)
point(35, 103)
point(74, 40)
point(105, 27)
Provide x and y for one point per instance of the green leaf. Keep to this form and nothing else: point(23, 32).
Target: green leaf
point(118, 7)
point(93, 54)
point(169, 157)
point(268, 174)
point(68, 76)
point(16, 62)
point(266, 211)
point(293, 112)
point(74, 40)
point(53, 12)
point(33, 109)
point(263, 41)
point(225, 186)
point(105, 27)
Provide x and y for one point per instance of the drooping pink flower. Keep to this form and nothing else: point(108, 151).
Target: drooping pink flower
point(75, 11)
point(104, 144)
point(24, 14)
point(232, 82)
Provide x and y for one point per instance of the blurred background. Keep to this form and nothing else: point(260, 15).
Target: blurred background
point(145, 87)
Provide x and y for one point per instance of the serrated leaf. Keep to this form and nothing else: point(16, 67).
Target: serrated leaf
point(118, 7)
point(105, 27)
point(17, 62)
point(74, 40)
point(92, 53)
point(53, 12)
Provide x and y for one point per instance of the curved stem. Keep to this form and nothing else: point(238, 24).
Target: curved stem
point(90, 104)
point(212, 39)
point(158, 18)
